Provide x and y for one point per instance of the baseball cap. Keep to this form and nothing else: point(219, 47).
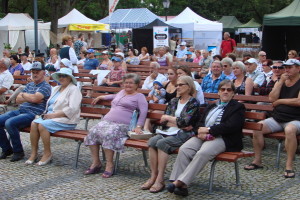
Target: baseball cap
point(24, 54)
point(120, 54)
point(38, 66)
point(105, 52)
point(90, 51)
point(252, 60)
point(182, 43)
point(158, 83)
point(188, 53)
point(116, 59)
point(292, 62)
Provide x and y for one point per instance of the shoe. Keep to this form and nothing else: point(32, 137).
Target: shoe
point(4, 154)
point(171, 187)
point(253, 166)
point(17, 156)
point(40, 163)
point(147, 185)
point(107, 174)
point(287, 172)
point(94, 170)
point(181, 191)
point(154, 189)
point(30, 162)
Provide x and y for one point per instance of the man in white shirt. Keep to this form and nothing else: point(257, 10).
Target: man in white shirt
point(182, 51)
point(154, 76)
point(254, 73)
point(24, 62)
point(6, 78)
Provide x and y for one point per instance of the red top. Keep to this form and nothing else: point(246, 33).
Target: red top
point(227, 46)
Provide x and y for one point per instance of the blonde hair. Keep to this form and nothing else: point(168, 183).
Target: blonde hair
point(66, 38)
point(190, 82)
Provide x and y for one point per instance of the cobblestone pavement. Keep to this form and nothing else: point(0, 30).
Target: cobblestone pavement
point(60, 180)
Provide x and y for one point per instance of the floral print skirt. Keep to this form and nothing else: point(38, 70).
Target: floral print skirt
point(110, 135)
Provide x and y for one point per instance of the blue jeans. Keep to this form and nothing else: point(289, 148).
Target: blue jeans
point(12, 121)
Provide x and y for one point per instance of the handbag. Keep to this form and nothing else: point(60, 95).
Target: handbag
point(132, 125)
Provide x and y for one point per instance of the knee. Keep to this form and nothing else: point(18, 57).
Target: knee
point(9, 123)
point(161, 144)
point(290, 131)
point(40, 127)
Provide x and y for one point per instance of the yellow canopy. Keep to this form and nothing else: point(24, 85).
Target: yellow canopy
point(89, 27)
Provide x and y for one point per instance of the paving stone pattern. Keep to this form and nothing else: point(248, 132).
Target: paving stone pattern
point(60, 180)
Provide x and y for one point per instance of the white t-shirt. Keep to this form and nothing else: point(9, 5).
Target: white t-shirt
point(26, 66)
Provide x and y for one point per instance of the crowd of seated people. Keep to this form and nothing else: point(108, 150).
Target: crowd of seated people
point(59, 107)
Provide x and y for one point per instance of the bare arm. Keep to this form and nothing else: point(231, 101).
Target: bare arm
point(31, 98)
point(2, 90)
point(249, 86)
point(290, 102)
point(274, 94)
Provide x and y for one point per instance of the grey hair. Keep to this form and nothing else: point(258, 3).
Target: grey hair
point(190, 82)
point(277, 61)
point(227, 60)
point(135, 77)
point(240, 65)
point(156, 65)
point(227, 33)
point(218, 62)
point(6, 62)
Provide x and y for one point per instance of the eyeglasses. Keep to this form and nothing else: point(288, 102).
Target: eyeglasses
point(265, 65)
point(275, 67)
point(180, 84)
point(225, 65)
point(62, 76)
point(227, 89)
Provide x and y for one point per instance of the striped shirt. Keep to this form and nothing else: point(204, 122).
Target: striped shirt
point(36, 108)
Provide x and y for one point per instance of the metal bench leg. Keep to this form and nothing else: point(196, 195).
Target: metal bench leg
point(103, 154)
point(86, 124)
point(237, 174)
point(77, 154)
point(211, 176)
point(278, 154)
point(145, 158)
point(116, 162)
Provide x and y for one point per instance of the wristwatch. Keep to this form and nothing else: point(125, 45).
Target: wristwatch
point(138, 126)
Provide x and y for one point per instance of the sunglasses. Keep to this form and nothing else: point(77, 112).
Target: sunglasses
point(227, 89)
point(262, 55)
point(225, 65)
point(180, 84)
point(275, 67)
point(62, 76)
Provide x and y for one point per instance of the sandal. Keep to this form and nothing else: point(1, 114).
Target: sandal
point(287, 172)
point(147, 185)
point(253, 166)
point(107, 174)
point(155, 189)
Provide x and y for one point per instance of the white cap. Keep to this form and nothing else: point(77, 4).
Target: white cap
point(182, 43)
point(252, 60)
point(120, 54)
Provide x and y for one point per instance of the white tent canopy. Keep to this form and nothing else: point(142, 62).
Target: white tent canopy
point(17, 29)
point(201, 31)
point(75, 17)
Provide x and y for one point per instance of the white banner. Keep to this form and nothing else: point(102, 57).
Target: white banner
point(160, 36)
point(112, 5)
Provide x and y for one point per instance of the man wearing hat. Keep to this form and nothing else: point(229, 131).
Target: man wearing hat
point(32, 102)
point(256, 75)
point(6, 78)
point(24, 62)
point(182, 51)
point(285, 98)
point(189, 57)
point(91, 62)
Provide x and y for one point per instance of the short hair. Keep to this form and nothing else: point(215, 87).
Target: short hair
point(190, 82)
point(136, 78)
point(134, 51)
point(227, 60)
point(80, 35)
point(218, 62)
point(15, 57)
point(66, 38)
point(294, 53)
point(156, 65)
point(269, 62)
point(6, 62)
point(144, 49)
point(186, 69)
point(84, 52)
point(240, 65)
point(217, 56)
point(227, 33)
point(232, 56)
point(167, 48)
point(225, 82)
point(19, 48)
point(247, 55)
point(259, 53)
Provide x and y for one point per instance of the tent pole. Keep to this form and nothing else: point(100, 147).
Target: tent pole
point(35, 8)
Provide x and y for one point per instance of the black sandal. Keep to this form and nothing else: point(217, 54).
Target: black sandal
point(288, 171)
point(253, 167)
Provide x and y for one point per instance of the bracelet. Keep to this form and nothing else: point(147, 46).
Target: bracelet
point(138, 126)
